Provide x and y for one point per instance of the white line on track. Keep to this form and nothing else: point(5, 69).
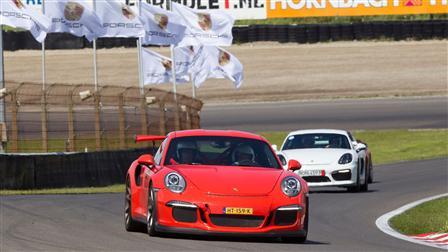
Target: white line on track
point(383, 223)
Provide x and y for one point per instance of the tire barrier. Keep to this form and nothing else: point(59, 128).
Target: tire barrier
point(60, 170)
point(303, 33)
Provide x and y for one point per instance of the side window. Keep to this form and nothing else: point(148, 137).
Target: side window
point(158, 156)
point(350, 136)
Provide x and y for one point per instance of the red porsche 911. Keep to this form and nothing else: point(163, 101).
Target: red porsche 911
point(216, 183)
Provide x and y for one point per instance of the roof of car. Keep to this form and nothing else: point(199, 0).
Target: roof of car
point(227, 133)
point(314, 131)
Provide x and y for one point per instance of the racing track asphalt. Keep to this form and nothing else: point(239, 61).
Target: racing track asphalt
point(339, 221)
point(379, 113)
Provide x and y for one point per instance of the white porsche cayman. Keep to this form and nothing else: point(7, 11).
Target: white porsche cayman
point(329, 158)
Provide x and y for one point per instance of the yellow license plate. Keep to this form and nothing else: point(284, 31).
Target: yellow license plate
point(236, 210)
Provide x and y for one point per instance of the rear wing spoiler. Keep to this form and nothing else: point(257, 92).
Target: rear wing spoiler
point(148, 138)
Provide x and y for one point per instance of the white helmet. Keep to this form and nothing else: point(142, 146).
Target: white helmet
point(244, 149)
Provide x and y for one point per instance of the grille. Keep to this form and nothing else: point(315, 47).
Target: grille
point(316, 179)
point(236, 220)
point(342, 176)
point(285, 218)
point(182, 214)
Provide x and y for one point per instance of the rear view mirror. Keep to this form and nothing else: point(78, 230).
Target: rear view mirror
point(294, 165)
point(147, 160)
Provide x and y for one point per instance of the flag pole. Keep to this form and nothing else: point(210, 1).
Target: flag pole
point(173, 67)
point(139, 48)
point(193, 88)
point(95, 66)
point(2, 85)
point(44, 72)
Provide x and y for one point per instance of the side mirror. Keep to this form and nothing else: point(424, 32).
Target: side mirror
point(282, 159)
point(275, 147)
point(360, 147)
point(147, 160)
point(294, 165)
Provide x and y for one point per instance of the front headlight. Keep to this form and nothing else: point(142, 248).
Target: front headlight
point(346, 158)
point(175, 182)
point(291, 186)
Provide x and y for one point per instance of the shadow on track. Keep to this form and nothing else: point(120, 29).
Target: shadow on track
point(236, 239)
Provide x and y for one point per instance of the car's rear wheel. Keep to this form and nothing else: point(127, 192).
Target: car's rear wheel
point(301, 238)
point(129, 223)
point(151, 213)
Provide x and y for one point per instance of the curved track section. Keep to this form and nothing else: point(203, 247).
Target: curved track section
point(340, 221)
point(384, 113)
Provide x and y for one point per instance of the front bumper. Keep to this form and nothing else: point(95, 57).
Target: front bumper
point(202, 214)
point(331, 175)
point(194, 231)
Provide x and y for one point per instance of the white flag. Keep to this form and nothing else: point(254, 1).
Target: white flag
point(184, 57)
point(211, 28)
point(162, 27)
point(217, 63)
point(157, 69)
point(118, 20)
point(75, 17)
point(16, 14)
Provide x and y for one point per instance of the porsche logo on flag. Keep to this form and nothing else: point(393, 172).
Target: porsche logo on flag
point(224, 58)
point(18, 4)
point(73, 11)
point(167, 65)
point(413, 3)
point(127, 12)
point(161, 20)
point(205, 21)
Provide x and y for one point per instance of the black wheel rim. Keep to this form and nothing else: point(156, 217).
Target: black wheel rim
point(127, 204)
point(149, 218)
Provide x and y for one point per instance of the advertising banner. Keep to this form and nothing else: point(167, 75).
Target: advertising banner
point(262, 9)
point(319, 8)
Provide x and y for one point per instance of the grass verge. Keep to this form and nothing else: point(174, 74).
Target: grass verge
point(391, 146)
point(426, 218)
point(387, 146)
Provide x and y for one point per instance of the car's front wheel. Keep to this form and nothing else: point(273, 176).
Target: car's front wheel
point(365, 186)
point(129, 223)
point(151, 213)
point(301, 238)
point(357, 186)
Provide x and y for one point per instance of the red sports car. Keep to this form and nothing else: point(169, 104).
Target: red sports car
point(216, 183)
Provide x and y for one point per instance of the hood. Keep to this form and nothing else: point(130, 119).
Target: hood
point(316, 156)
point(231, 180)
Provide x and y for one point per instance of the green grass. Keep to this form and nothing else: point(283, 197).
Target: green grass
point(390, 146)
point(426, 218)
point(86, 190)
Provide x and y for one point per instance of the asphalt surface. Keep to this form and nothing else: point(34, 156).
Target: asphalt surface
point(384, 113)
point(339, 221)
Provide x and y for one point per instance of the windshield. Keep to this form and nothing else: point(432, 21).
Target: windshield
point(312, 141)
point(223, 151)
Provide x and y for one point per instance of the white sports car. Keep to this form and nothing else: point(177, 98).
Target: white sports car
point(329, 158)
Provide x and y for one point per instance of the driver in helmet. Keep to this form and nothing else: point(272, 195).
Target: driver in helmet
point(244, 154)
point(187, 152)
